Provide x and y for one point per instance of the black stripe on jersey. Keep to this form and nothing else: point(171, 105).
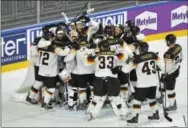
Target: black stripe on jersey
point(173, 52)
point(144, 57)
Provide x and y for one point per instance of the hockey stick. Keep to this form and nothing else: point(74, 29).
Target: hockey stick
point(164, 106)
point(79, 13)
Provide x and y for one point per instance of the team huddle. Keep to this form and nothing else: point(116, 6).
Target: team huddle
point(89, 66)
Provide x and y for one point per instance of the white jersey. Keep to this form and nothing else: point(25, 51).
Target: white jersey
point(80, 67)
point(104, 62)
point(173, 58)
point(145, 65)
point(48, 62)
point(119, 49)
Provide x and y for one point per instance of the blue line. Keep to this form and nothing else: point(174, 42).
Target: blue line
point(92, 15)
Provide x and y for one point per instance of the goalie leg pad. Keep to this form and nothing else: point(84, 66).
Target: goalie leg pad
point(72, 96)
point(82, 95)
point(118, 105)
point(96, 105)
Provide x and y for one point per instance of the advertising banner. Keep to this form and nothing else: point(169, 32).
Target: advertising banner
point(160, 18)
point(152, 19)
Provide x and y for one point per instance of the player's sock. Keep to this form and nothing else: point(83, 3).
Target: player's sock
point(34, 89)
point(154, 109)
point(48, 95)
point(172, 101)
point(124, 92)
point(135, 112)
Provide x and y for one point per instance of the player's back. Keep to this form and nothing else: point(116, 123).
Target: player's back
point(48, 62)
point(173, 58)
point(80, 68)
point(146, 69)
point(105, 61)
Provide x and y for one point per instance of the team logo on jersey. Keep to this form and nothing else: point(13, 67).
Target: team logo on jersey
point(112, 18)
point(179, 15)
point(146, 20)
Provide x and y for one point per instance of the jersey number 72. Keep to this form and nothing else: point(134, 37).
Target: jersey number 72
point(44, 56)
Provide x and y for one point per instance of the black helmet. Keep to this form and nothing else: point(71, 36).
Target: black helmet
point(130, 23)
point(109, 30)
point(143, 47)
point(104, 45)
point(135, 30)
point(170, 39)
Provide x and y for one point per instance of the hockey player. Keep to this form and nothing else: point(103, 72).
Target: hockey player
point(145, 64)
point(62, 41)
point(48, 69)
point(105, 83)
point(172, 58)
point(43, 41)
point(81, 76)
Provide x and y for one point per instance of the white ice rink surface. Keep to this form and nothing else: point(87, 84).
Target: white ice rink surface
point(16, 114)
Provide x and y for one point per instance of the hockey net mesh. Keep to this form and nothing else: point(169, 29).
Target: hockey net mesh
point(21, 93)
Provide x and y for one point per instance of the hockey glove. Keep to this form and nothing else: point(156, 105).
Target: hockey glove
point(116, 70)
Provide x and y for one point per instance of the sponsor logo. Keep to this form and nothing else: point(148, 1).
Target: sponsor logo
point(179, 16)
point(112, 19)
point(146, 20)
point(33, 33)
point(13, 48)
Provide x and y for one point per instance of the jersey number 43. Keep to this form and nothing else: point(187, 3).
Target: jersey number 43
point(149, 67)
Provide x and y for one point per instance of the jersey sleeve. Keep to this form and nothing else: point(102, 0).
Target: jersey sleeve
point(71, 56)
point(43, 43)
point(62, 52)
point(128, 50)
point(168, 60)
point(129, 67)
point(160, 64)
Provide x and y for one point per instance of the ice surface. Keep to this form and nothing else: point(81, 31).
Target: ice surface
point(22, 115)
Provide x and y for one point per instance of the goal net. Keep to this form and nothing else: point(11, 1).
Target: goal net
point(21, 93)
